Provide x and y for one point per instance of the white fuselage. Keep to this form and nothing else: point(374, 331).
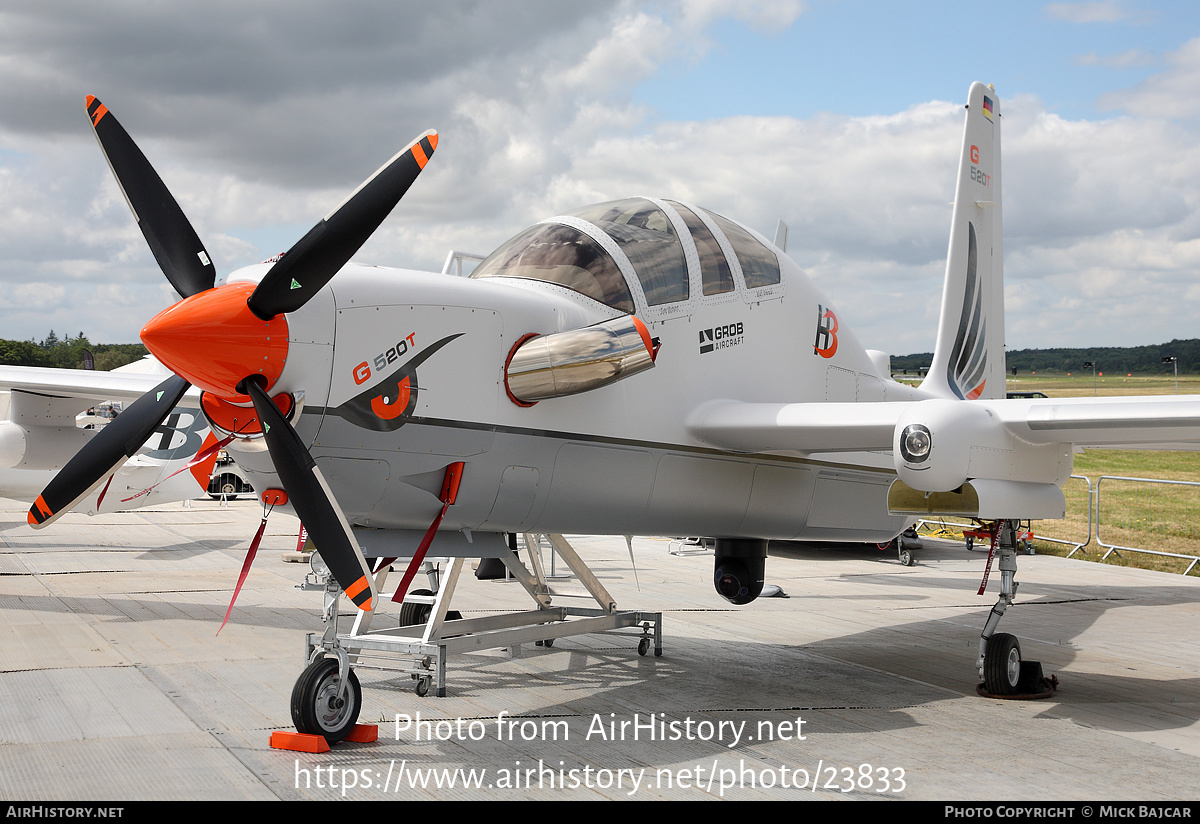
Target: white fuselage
point(615, 460)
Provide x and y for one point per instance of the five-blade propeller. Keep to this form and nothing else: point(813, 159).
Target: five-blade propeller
point(302, 272)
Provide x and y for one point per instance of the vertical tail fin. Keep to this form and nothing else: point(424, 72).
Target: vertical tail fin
point(968, 361)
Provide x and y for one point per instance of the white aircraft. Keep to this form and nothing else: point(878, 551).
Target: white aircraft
point(39, 433)
point(635, 367)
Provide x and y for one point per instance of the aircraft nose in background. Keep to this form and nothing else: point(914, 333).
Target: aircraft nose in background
point(214, 341)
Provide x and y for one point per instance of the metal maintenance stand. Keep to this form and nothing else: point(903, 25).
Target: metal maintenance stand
point(422, 649)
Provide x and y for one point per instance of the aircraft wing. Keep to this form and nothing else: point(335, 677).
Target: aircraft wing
point(802, 427)
point(88, 386)
point(1156, 422)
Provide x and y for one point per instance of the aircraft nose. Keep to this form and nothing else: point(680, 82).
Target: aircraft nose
point(214, 341)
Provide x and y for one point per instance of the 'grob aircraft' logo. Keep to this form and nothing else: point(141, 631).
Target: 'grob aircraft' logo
point(825, 343)
point(721, 337)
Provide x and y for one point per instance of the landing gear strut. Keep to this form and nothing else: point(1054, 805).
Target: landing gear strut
point(327, 696)
point(1001, 667)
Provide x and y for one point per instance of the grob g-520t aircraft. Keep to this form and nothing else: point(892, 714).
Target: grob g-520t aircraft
point(637, 367)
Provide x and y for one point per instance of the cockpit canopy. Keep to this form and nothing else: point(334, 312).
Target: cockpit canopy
point(600, 250)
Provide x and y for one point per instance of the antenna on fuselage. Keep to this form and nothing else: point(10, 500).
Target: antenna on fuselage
point(781, 236)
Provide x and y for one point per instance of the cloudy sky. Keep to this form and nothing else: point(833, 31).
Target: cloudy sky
point(842, 117)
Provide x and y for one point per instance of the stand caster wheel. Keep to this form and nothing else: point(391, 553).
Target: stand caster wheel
point(316, 709)
point(1002, 664)
point(643, 646)
point(422, 687)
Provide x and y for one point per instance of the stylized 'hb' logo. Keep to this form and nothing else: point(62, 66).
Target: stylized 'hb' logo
point(825, 343)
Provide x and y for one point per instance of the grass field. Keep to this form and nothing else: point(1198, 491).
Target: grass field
point(1164, 517)
point(1081, 385)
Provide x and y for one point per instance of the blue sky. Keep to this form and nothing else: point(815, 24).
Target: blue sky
point(855, 57)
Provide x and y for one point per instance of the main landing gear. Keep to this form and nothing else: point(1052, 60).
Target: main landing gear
point(1005, 674)
point(906, 544)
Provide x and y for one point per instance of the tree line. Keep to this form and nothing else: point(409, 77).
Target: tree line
point(68, 352)
point(1139, 360)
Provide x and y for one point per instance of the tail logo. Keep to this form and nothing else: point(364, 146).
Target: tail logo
point(825, 344)
point(967, 365)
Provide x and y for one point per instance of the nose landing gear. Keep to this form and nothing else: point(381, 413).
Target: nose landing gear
point(324, 702)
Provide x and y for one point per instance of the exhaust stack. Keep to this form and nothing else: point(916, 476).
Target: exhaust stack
point(567, 363)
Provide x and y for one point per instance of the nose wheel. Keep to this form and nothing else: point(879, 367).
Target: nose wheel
point(320, 706)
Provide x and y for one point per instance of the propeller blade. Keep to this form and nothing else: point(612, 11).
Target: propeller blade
point(329, 245)
point(313, 501)
point(174, 242)
point(102, 455)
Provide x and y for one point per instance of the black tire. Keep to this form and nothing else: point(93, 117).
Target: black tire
point(225, 486)
point(412, 615)
point(970, 542)
point(906, 557)
point(1002, 664)
point(313, 697)
point(643, 646)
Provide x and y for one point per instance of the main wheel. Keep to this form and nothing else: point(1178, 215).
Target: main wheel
point(316, 709)
point(226, 486)
point(1002, 664)
point(413, 614)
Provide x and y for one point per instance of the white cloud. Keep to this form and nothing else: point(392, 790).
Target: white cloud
point(1127, 59)
point(1099, 11)
point(1168, 94)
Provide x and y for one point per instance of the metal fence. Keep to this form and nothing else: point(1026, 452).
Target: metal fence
point(1148, 515)
point(1117, 514)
